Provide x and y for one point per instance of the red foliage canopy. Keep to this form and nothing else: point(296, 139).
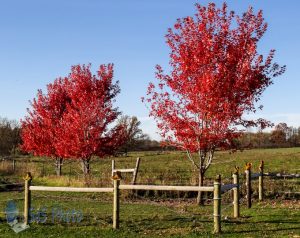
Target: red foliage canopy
point(39, 128)
point(84, 131)
point(216, 76)
point(72, 120)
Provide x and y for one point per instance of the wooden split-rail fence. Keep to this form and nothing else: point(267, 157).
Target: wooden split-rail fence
point(134, 171)
point(217, 189)
point(260, 176)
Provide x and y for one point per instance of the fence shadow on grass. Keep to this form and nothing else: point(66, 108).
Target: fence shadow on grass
point(275, 222)
point(264, 230)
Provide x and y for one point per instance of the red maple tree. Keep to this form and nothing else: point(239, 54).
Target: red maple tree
point(72, 119)
point(216, 76)
point(85, 127)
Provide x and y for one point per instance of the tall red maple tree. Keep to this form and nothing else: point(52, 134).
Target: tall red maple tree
point(216, 76)
point(72, 120)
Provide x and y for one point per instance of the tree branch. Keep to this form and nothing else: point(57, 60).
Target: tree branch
point(210, 157)
point(191, 159)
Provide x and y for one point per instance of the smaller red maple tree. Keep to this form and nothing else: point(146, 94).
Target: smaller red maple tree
point(85, 127)
point(216, 76)
point(72, 120)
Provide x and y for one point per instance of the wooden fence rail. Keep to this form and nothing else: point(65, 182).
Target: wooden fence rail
point(71, 189)
point(167, 188)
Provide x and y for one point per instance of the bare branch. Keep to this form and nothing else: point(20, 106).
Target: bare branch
point(192, 160)
point(210, 157)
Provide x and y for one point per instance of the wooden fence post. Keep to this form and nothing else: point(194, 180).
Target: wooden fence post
point(136, 169)
point(112, 167)
point(261, 181)
point(217, 205)
point(14, 165)
point(116, 206)
point(236, 194)
point(248, 184)
point(27, 199)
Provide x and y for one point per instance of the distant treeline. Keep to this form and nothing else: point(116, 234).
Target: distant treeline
point(9, 137)
point(281, 136)
point(146, 144)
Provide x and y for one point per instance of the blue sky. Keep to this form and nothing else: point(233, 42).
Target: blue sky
point(40, 40)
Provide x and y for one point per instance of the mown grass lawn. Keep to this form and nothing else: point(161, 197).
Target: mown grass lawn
point(142, 218)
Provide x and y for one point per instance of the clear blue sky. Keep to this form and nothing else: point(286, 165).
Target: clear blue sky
point(40, 40)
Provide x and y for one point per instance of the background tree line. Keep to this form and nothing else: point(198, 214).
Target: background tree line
point(9, 137)
point(280, 136)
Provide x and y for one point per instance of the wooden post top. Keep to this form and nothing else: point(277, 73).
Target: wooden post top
point(28, 177)
point(237, 170)
point(218, 179)
point(261, 165)
point(117, 176)
point(248, 166)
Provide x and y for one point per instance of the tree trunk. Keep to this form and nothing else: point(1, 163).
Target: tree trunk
point(200, 200)
point(58, 165)
point(85, 166)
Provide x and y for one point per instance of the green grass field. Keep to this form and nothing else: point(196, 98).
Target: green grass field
point(158, 214)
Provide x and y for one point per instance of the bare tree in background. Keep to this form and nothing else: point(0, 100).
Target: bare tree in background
point(134, 133)
point(9, 136)
point(280, 134)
